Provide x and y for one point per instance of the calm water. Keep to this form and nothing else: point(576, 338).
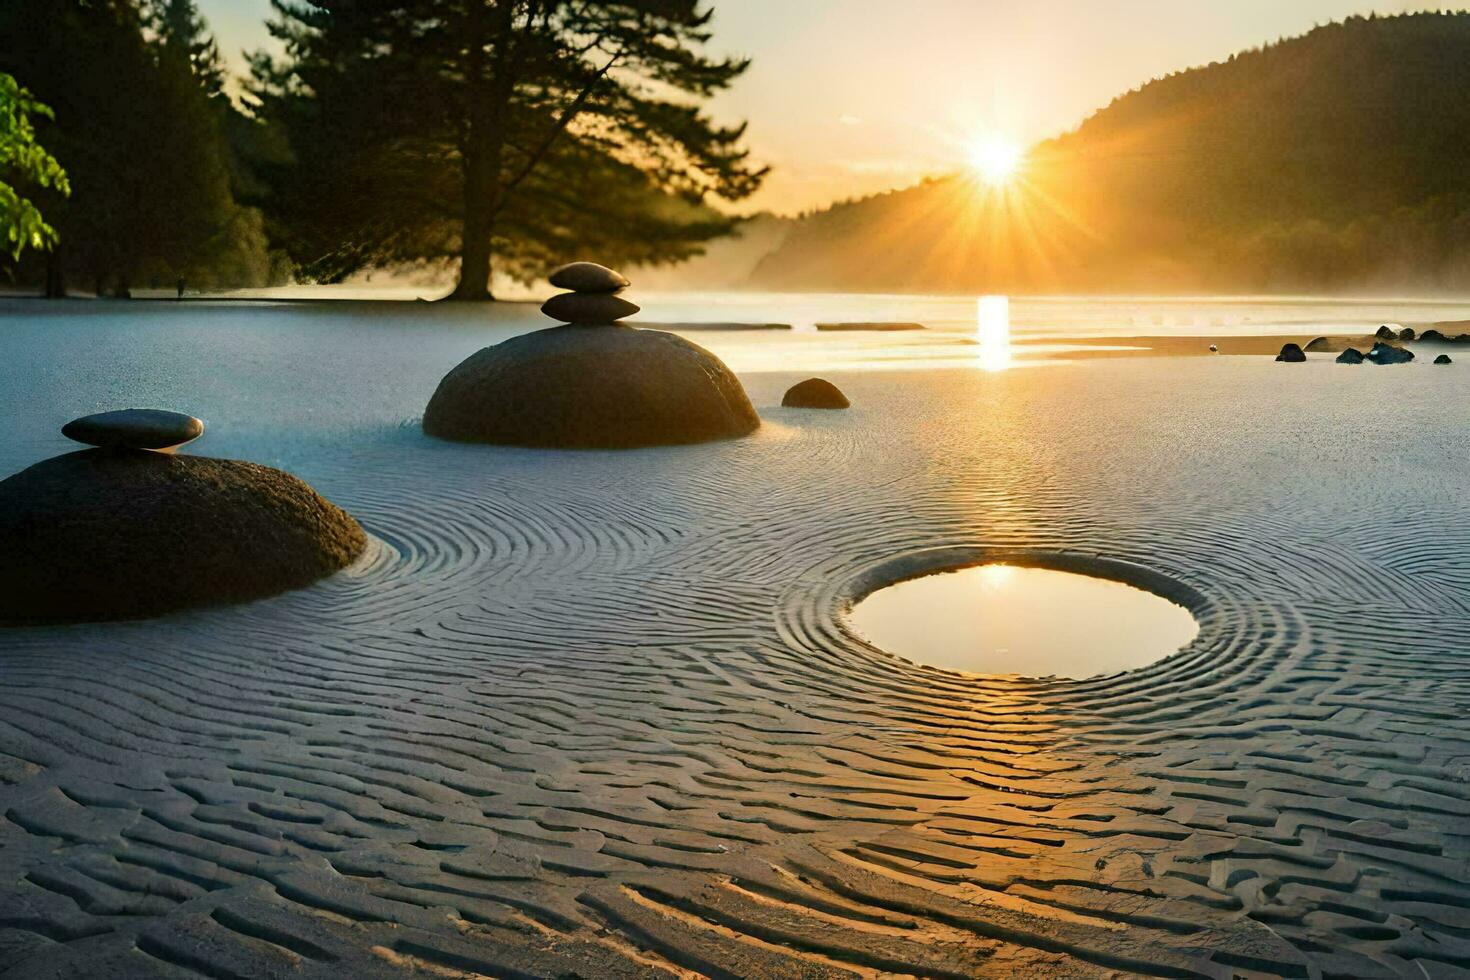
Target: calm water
point(279, 381)
point(1002, 619)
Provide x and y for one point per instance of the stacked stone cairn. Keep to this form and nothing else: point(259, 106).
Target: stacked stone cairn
point(591, 383)
point(128, 529)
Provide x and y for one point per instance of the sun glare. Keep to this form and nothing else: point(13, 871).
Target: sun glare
point(996, 160)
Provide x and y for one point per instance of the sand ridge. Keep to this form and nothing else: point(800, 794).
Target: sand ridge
point(600, 713)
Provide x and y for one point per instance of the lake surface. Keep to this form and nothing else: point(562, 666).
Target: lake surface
point(1004, 619)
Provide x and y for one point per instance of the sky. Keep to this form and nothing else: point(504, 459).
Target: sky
point(853, 97)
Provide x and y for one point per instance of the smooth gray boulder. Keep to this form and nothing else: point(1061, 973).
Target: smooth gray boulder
point(1350, 356)
point(126, 533)
point(1291, 352)
point(135, 428)
point(588, 277)
point(1387, 354)
point(815, 393)
point(589, 387)
point(588, 308)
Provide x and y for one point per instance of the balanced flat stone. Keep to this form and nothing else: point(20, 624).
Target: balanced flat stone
point(589, 277)
point(1291, 352)
point(588, 308)
point(815, 393)
point(135, 428)
point(607, 388)
point(108, 534)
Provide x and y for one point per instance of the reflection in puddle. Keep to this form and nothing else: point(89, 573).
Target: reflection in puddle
point(1004, 619)
point(993, 329)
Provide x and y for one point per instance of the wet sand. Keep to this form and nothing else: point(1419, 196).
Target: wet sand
point(602, 714)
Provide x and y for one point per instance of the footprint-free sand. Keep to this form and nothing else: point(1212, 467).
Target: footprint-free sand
point(601, 714)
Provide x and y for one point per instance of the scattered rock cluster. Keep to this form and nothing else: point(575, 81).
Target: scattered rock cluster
point(125, 531)
point(593, 383)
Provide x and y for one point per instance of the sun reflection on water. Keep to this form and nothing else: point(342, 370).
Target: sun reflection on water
point(993, 330)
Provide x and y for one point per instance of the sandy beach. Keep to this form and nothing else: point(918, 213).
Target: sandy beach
point(601, 714)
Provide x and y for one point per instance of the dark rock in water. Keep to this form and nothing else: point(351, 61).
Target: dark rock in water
point(815, 393)
point(588, 308)
point(1443, 359)
point(1406, 334)
point(1385, 332)
point(588, 277)
point(1433, 336)
point(1318, 344)
point(1386, 354)
point(1291, 352)
point(1350, 356)
point(1463, 338)
point(580, 387)
point(135, 428)
point(119, 534)
point(1214, 349)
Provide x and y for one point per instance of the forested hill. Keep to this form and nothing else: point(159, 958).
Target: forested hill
point(1336, 160)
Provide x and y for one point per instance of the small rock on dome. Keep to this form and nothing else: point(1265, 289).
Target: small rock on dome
point(815, 393)
point(588, 277)
point(1443, 359)
point(1291, 352)
point(588, 308)
point(1350, 356)
point(135, 428)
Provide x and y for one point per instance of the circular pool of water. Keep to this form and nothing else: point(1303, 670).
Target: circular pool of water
point(1012, 619)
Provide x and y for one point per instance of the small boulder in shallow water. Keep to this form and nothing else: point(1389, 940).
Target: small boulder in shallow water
point(815, 393)
point(1387, 354)
point(1350, 356)
point(1443, 359)
point(125, 533)
point(1385, 332)
point(1433, 336)
point(135, 428)
point(1406, 334)
point(1292, 353)
point(588, 277)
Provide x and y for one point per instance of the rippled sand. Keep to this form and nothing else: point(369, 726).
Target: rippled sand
point(599, 714)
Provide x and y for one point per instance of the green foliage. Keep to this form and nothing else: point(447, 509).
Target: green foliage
point(24, 162)
point(436, 130)
point(143, 144)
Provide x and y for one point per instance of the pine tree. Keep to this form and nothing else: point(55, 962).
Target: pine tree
point(530, 130)
point(178, 24)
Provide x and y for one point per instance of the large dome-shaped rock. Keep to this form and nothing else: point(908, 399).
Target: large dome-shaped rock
point(119, 534)
point(591, 387)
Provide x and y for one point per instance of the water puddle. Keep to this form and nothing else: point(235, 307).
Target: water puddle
point(1007, 619)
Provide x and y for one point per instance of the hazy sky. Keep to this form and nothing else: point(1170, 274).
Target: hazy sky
point(847, 97)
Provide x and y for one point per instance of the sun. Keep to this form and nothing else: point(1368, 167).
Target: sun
point(995, 159)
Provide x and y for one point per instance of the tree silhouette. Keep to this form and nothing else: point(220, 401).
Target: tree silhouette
point(529, 130)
